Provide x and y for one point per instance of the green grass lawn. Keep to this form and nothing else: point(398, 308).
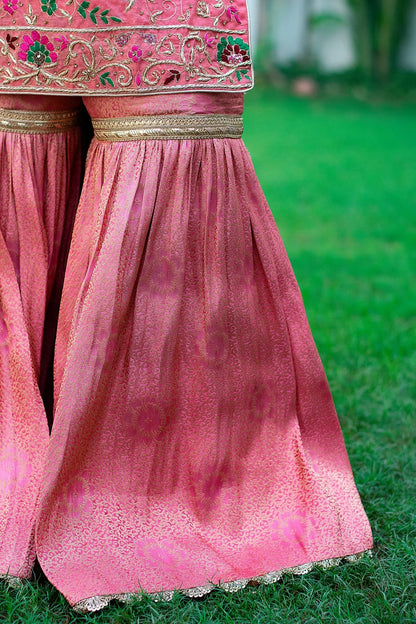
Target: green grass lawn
point(340, 177)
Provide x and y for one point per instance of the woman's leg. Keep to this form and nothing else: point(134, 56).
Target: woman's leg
point(39, 189)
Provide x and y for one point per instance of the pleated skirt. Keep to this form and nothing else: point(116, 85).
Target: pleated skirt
point(195, 441)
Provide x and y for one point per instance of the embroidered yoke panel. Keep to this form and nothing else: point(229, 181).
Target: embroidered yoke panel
point(125, 47)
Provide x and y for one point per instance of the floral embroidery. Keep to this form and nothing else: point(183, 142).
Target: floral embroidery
point(176, 44)
point(149, 37)
point(232, 12)
point(63, 41)
point(202, 9)
point(123, 39)
point(135, 53)
point(95, 14)
point(37, 49)
point(174, 75)
point(105, 77)
point(11, 41)
point(209, 41)
point(48, 6)
point(233, 51)
point(10, 6)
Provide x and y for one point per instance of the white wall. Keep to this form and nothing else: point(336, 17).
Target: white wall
point(288, 29)
point(253, 11)
point(332, 43)
point(408, 52)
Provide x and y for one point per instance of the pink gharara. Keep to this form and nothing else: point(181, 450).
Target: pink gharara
point(195, 439)
point(39, 189)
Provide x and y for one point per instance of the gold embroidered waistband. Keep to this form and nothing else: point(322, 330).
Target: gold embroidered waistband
point(37, 122)
point(147, 127)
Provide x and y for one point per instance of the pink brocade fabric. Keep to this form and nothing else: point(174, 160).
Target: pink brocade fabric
point(39, 189)
point(175, 104)
point(195, 439)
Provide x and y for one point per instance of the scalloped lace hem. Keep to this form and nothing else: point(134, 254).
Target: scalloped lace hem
point(13, 581)
point(96, 603)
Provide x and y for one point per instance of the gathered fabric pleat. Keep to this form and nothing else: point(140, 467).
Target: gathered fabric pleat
point(195, 439)
point(39, 191)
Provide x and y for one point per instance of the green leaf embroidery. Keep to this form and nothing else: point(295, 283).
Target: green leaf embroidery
point(238, 74)
point(105, 77)
point(48, 6)
point(93, 13)
point(242, 44)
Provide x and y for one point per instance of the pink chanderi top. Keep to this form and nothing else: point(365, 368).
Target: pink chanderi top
point(124, 47)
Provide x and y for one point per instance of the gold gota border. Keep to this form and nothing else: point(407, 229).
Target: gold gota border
point(38, 122)
point(165, 127)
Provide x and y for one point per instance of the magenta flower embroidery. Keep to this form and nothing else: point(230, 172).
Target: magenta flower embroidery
point(232, 12)
point(209, 41)
point(10, 6)
point(37, 50)
point(63, 41)
point(135, 53)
